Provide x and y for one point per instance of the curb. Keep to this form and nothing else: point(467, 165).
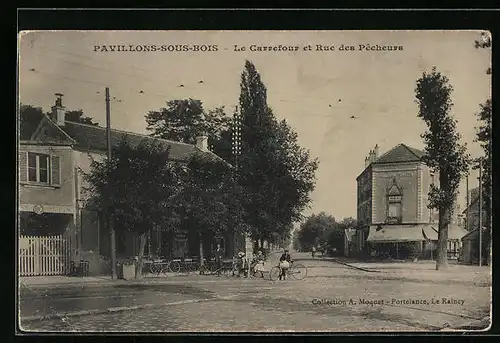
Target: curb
point(104, 283)
point(115, 309)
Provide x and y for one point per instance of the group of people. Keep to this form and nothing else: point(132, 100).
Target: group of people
point(256, 266)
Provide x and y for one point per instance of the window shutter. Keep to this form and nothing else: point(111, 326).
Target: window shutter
point(23, 166)
point(55, 171)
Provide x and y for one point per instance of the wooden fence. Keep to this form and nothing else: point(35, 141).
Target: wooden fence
point(43, 255)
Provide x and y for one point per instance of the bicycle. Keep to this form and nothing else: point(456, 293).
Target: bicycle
point(297, 271)
point(159, 266)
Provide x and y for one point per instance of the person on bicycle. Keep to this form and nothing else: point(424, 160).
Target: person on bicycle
point(313, 251)
point(285, 261)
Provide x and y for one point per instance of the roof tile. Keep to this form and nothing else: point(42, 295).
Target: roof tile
point(401, 153)
point(94, 137)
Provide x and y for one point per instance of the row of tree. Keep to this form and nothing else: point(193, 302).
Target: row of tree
point(260, 186)
point(323, 231)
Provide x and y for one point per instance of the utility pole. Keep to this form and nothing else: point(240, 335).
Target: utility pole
point(467, 202)
point(110, 214)
point(480, 212)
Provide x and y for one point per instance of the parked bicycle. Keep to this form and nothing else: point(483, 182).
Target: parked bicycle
point(297, 271)
point(159, 266)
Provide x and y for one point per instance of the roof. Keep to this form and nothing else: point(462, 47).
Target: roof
point(93, 137)
point(473, 198)
point(400, 153)
point(472, 235)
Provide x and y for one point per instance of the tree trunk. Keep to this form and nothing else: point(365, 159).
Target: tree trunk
point(201, 251)
point(442, 243)
point(140, 261)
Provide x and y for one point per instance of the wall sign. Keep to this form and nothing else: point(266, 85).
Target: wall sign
point(391, 175)
point(38, 209)
point(395, 198)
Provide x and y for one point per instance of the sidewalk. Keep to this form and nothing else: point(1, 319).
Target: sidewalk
point(95, 281)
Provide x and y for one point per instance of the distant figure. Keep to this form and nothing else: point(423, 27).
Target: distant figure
point(285, 261)
point(258, 264)
point(218, 258)
point(313, 251)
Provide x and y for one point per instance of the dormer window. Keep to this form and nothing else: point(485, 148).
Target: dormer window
point(394, 203)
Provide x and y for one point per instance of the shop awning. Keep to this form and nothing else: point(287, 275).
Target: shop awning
point(455, 232)
point(395, 233)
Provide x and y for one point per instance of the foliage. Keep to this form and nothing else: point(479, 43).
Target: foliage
point(483, 136)
point(184, 120)
point(276, 173)
point(210, 199)
point(139, 186)
point(443, 150)
point(77, 116)
point(29, 118)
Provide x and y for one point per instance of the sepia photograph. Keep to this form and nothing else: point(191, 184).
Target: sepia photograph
point(254, 181)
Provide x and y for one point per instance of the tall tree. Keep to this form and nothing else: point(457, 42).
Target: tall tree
point(315, 229)
point(184, 120)
point(78, 116)
point(443, 152)
point(483, 136)
point(29, 118)
point(277, 173)
point(209, 201)
point(139, 186)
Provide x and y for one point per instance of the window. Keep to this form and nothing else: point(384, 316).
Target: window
point(394, 210)
point(38, 167)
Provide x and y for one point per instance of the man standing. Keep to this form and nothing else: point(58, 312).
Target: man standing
point(218, 259)
point(313, 251)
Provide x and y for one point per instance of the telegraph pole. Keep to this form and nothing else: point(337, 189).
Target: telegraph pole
point(110, 214)
point(467, 202)
point(480, 212)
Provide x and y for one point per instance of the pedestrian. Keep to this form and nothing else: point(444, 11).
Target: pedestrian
point(313, 251)
point(258, 264)
point(285, 261)
point(218, 259)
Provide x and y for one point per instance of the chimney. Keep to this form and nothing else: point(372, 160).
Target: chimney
point(202, 143)
point(366, 162)
point(58, 110)
point(370, 157)
point(375, 151)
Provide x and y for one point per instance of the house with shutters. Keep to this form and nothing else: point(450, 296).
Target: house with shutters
point(392, 206)
point(52, 201)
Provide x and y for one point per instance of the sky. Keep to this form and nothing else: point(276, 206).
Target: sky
point(316, 91)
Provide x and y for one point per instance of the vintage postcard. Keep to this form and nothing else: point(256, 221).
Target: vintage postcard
point(254, 181)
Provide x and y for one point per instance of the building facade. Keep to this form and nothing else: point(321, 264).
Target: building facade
point(392, 206)
point(53, 200)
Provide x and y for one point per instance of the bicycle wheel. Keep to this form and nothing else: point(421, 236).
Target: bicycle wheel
point(298, 271)
point(274, 273)
point(174, 266)
point(154, 268)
